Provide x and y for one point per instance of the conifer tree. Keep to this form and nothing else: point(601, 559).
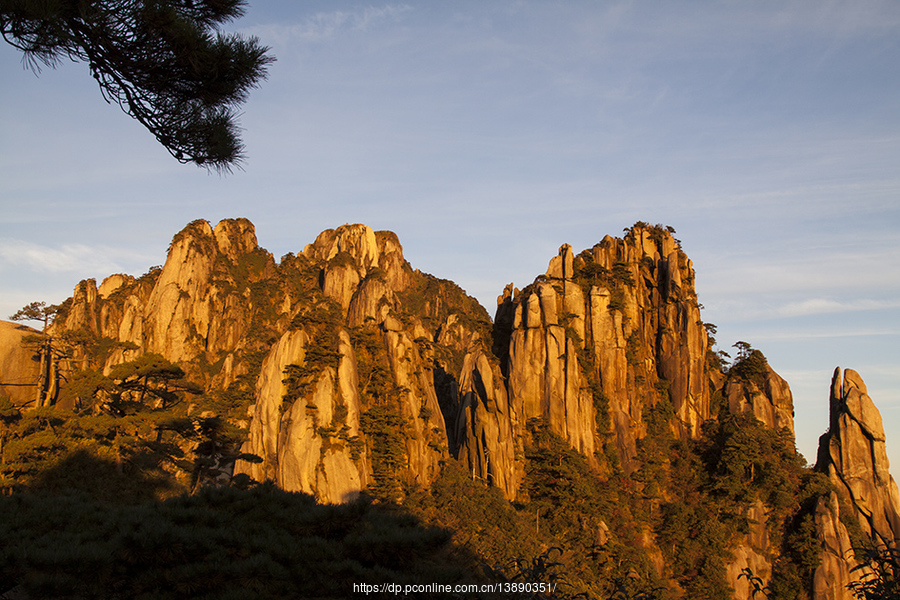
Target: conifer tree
point(46, 350)
point(164, 62)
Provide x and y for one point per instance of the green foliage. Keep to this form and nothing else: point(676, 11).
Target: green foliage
point(385, 429)
point(301, 379)
point(432, 301)
point(134, 419)
point(750, 365)
point(746, 460)
point(571, 503)
point(589, 274)
point(149, 376)
point(36, 311)
point(539, 577)
point(112, 458)
point(601, 407)
point(879, 574)
point(482, 520)
point(234, 401)
point(94, 348)
point(382, 422)
point(324, 313)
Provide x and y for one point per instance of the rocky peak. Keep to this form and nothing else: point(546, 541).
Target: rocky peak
point(360, 268)
point(235, 237)
point(764, 394)
point(358, 241)
point(604, 336)
point(852, 453)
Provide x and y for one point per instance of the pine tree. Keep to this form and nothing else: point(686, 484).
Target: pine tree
point(164, 62)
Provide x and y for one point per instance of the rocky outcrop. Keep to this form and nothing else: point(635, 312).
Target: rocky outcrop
point(353, 373)
point(852, 453)
point(198, 306)
point(767, 397)
point(603, 336)
point(751, 552)
point(837, 563)
point(347, 399)
point(487, 426)
point(589, 348)
point(310, 444)
point(20, 365)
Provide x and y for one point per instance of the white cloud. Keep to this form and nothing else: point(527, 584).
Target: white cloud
point(325, 25)
point(812, 335)
point(67, 258)
point(816, 306)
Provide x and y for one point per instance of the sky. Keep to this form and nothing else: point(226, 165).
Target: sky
point(488, 134)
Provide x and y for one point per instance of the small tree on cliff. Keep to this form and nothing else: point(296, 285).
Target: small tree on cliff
point(164, 63)
point(46, 351)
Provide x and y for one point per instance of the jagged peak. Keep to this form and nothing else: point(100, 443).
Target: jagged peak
point(235, 237)
point(561, 264)
point(850, 396)
point(357, 240)
point(853, 455)
point(114, 282)
point(231, 237)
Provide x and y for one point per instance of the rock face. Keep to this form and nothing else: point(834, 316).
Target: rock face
point(835, 572)
point(852, 453)
point(767, 397)
point(20, 372)
point(199, 306)
point(589, 348)
point(752, 552)
point(604, 336)
point(335, 349)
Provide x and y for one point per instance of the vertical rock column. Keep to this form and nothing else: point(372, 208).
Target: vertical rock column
point(852, 453)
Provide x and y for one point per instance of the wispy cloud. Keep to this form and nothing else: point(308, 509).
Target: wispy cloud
point(326, 25)
point(821, 335)
point(67, 258)
point(818, 306)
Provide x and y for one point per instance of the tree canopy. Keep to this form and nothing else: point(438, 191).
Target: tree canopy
point(36, 311)
point(164, 62)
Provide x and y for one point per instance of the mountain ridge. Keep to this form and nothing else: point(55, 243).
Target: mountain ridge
point(355, 373)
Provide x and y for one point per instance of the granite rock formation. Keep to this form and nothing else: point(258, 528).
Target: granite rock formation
point(352, 371)
point(852, 453)
point(20, 371)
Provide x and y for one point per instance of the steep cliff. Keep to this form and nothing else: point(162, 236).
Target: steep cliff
point(334, 349)
point(608, 334)
point(358, 406)
point(20, 370)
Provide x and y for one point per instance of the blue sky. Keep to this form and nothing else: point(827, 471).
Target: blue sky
point(487, 134)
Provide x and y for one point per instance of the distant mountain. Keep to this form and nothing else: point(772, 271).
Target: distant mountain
point(594, 405)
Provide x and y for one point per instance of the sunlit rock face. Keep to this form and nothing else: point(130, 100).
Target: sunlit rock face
point(604, 336)
point(603, 343)
point(370, 417)
point(20, 372)
point(306, 445)
point(198, 306)
point(488, 431)
point(837, 563)
point(853, 455)
point(769, 399)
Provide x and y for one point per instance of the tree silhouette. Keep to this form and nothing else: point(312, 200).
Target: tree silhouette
point(164, 63)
